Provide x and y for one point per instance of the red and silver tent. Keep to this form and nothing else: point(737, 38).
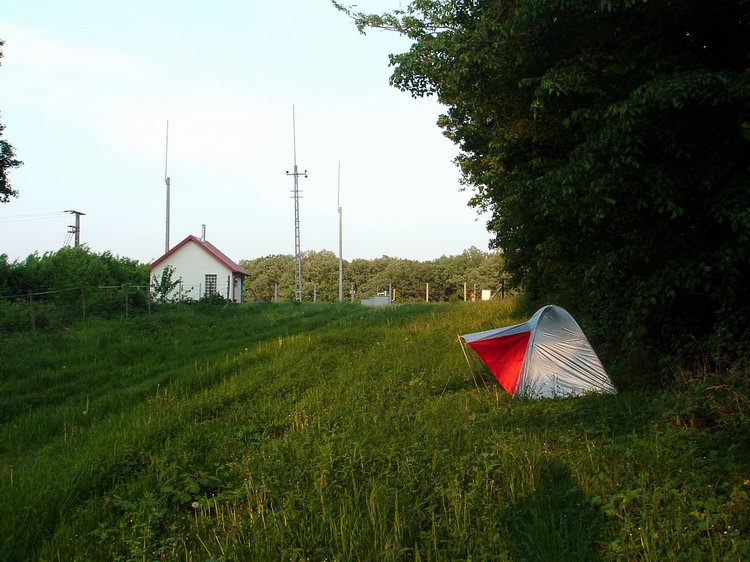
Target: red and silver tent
point(548, 356)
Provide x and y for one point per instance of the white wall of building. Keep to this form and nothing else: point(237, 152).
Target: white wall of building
point(191, 263)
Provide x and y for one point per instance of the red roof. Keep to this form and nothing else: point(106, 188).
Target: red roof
point(210, 248)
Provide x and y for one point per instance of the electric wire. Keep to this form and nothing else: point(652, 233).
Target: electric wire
point(33, 217)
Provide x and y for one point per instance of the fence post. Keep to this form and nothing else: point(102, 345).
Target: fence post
point(31, 312)
point(148, 296)
point(125, 287)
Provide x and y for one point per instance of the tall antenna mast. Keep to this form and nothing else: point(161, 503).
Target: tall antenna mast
point(167, 183)
point(296, 197)
point(341, 237)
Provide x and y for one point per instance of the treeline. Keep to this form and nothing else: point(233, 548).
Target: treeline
point(320, 273)
point(61, 287)
point(72, 284)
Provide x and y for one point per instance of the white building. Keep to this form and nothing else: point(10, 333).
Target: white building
point(202, 269)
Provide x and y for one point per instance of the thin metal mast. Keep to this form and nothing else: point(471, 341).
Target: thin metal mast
point(341, 237)
point(296, 196)
point(167, 183)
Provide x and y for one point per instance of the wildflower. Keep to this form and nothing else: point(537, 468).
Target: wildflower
point(195, 505)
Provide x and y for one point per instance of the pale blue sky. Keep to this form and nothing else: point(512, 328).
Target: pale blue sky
point(87, 86)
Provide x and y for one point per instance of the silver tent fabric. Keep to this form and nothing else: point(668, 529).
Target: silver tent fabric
point(559, 360)
point(498, 332)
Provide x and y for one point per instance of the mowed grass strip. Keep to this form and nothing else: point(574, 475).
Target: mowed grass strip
point(344, 433)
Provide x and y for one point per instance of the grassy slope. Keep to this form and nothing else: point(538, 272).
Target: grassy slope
point(337, 432)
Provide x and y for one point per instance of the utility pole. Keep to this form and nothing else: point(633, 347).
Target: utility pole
point(296, 197)
point(76, 230)
point(167, 183)
point(341, 238)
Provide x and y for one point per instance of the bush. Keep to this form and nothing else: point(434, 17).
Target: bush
point(67, 286)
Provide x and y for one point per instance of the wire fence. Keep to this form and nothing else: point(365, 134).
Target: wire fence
point(183, 292)
point(58, 308)
point(35, 310)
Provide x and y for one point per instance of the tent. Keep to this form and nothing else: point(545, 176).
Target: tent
point(548, 356)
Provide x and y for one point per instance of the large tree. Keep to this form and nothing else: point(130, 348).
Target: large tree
point(7, 161)
point(609, 141)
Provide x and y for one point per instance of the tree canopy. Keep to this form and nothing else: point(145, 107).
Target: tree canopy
point(608, 139)
point(320, 273)
point(8, 161)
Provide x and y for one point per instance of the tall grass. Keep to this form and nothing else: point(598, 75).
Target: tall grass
point(344, 433)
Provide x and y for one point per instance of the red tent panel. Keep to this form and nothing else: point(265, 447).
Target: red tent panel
point(504, 357)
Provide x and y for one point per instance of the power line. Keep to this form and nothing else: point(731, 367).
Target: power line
point(32, 217)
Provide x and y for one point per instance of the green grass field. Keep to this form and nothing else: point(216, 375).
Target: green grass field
point(325, 432)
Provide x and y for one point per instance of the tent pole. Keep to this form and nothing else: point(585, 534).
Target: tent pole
point(471, 369)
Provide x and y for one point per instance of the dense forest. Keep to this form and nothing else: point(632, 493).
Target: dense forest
point(409, 278)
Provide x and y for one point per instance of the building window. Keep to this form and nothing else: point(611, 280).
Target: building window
point(210, 284)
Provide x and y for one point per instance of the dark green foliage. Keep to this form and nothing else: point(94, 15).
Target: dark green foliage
point(67, 268)
point(67, 286)
point(609, 141)
point(267, 272)
point(162, 288)
point(213, 299)
point(446, 276)
point(8, 161)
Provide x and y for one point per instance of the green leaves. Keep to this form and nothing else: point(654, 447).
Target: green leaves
point(184, 488)
point(8, 161)
point(605, 137)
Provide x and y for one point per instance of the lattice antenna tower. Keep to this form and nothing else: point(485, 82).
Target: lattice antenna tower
point(296, 196)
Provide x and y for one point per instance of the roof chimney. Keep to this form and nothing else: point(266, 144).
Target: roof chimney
point(203, 232)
